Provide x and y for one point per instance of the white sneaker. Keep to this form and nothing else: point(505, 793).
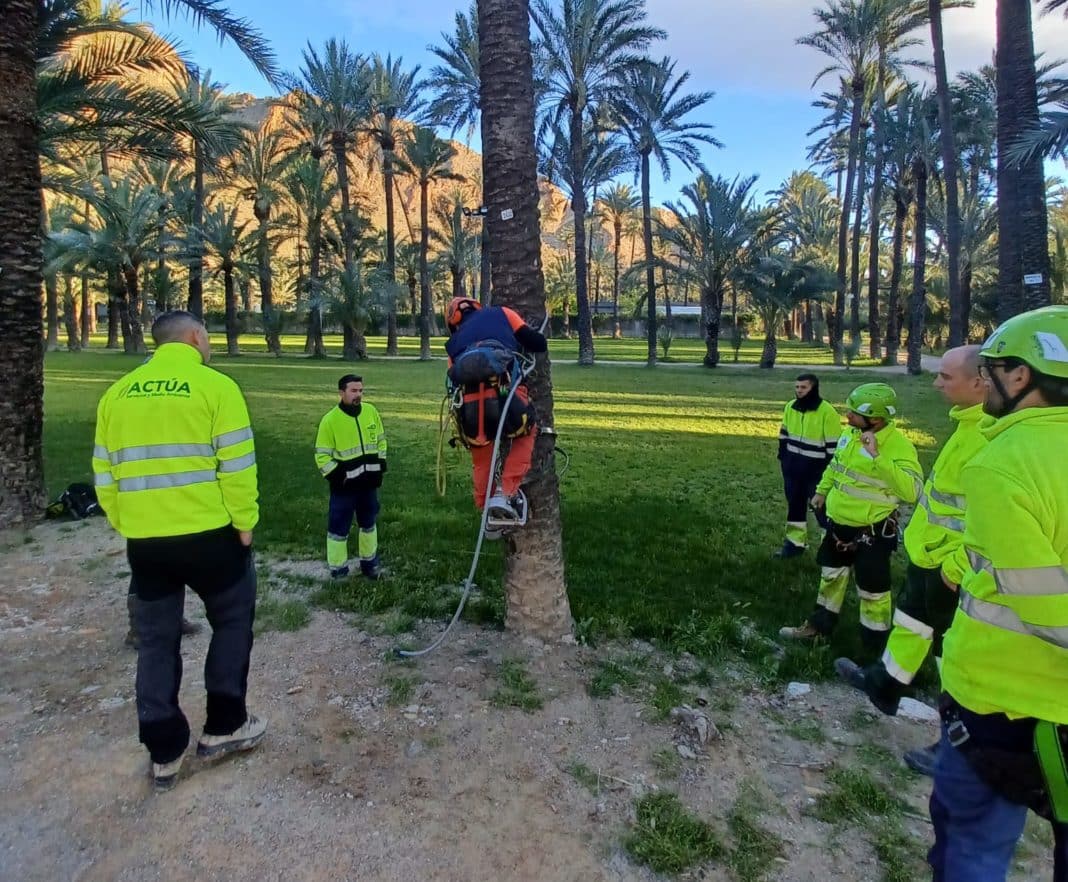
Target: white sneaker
point(165, 775)
point(245, 738)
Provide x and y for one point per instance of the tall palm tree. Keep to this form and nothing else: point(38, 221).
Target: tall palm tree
point(332, 95)
point(394, 95)
point(458, 246)
point(123, 238)
point(617, 207)
point(652, 113)
point(225, 244)
point(308, 187)
point(259, 167)
point(586, 48)
point(713, 226)
point(426, 158)
point(536, 595)
point(1023, 226)
point(457, 101)
point(218, 136)
point(847, 36)
point(21, 419)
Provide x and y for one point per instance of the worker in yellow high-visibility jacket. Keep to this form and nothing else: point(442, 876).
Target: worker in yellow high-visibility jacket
point(350, 452)
point(1005, 664)
point(934, 534)
point(875, 468)
point(175, 471)
point(808, 438)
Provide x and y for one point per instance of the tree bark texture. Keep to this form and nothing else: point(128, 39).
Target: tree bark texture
point(536, 593)
point(578, 207)
point(918, 298)
point(650, 272)
point(22, 492)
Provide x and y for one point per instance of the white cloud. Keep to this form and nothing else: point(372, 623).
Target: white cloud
point(752, 46)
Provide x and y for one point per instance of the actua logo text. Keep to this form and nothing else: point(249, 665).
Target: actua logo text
point(143, 388)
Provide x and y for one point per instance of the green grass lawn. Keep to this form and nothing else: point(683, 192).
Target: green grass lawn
point(605, 348)
point(672, 504)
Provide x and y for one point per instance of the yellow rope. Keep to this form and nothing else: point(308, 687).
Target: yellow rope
point(444, 419)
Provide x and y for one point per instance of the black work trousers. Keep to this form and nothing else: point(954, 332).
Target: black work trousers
point(222, 572)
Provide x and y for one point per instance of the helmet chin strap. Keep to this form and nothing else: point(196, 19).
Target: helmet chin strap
point(1009, 404)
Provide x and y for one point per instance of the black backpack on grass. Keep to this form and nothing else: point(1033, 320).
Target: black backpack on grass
point(78, 501)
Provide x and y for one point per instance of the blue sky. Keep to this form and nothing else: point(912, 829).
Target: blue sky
point(745, 52)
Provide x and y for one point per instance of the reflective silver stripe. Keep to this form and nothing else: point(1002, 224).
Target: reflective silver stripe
point(801, 439)
point(227, 439)
point(355, 473)
point(100, 452)
point(328, 468)
point(102, 479)
point(238, 464)
point(334, 537)
point(811, 454)
point(895, 670)
point(873, 625)
point(871, 595)
point(1023, 581)
point(920, 629)
point(859, 476)
point(160, 451)
point(161, 482)
point(373, 467)
point(917, 481)
point(954, 524)
point(348, 454)
point(850, 490)
point(327, 450)
point(951, 500)
point(999, 616)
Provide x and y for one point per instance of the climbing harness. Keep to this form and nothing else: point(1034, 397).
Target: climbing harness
point(522, 366)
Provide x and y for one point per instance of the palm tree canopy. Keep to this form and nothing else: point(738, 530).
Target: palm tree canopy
point(456, 82)
point(605, 156)
point(426, 157)
point(331, 89)
point(651, 114)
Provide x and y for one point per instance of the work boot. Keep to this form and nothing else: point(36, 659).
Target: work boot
point(923, 759)
point(165, 775)
point(854, 675)
point(339, 572)
point(500, 508)
point(789, 550)
point(803, 632)
point(245, 738)
point(371, 569)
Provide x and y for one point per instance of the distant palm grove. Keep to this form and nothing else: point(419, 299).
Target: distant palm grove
point(131, 182)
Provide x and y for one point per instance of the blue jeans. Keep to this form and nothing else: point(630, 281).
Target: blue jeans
point(976, 830)
point(344, 504)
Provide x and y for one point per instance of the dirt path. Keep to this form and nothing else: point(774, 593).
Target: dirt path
point(355, 784)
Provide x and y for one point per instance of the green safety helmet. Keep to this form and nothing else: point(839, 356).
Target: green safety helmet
point(876, 401)
point(1038, 338)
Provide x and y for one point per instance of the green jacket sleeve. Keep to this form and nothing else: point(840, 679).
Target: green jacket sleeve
point(324, 447)
point(235, 454)
point(901, 469)
point(107, 490)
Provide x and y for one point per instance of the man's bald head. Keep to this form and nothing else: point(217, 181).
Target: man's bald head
point(958, 377)
point(179, 326)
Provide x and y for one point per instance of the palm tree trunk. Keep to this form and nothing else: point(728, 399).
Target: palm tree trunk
point(70, 314)
point(650, 276)
point(233, 328)
point(897, 261)
point(858, 222)
point(315, 312)
point(22, 492)
point(918, 299)
point(534, 568)
point(86, 310)
point(352, 342)
point(712, 312)
point(457, 273)
point(196, 265)
point(838, 324)
point(425, 303)
point(966, 296)
point(806, 323)
point(391, 249)
point(957, 319)
point(485, 270)
point(617, 331)
point(135, 338)
point(51, 313)
point(879, 169)
point(578, 207)
point(771, 347)
point(1023, 226)
point(263, 258)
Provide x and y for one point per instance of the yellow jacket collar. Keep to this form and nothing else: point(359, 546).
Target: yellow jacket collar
point(182, 353)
